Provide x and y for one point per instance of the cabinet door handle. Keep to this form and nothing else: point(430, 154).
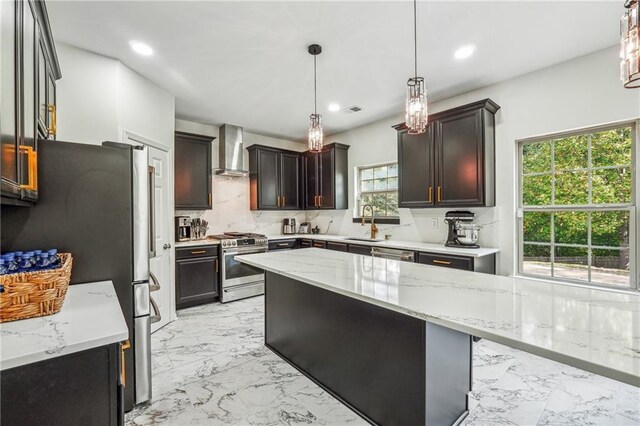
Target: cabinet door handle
point(210, 199)
point(53, 128)
point(439, 193)
point(32, 168)
point(430, 200)
point(318, 245)
point(283, 201)
point(278, 201)
point(441, 262)
point(198, 252)
point(319, 200)
point(315, 201)
point(216, 265)
point(123, 369)
point(283, 245)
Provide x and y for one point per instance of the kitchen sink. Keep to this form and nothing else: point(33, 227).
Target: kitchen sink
point(371, 240)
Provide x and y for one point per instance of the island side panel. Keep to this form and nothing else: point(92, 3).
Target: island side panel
point(372, 358)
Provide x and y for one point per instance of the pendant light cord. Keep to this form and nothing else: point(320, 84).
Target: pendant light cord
point(315, 90)
point(415, 38)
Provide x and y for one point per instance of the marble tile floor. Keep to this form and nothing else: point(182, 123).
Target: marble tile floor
point(211, 368)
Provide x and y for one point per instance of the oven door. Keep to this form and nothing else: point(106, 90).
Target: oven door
point(235, 272)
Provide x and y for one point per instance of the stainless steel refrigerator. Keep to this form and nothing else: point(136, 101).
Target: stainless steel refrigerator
point(94, 202)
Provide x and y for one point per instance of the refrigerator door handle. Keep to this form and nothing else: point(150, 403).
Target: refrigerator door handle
point(156, 284)
point(157, 317)
point(152, 211)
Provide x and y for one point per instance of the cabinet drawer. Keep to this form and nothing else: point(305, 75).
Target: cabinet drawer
point(305, 243)
point(336, 246)
point(446, 261)
point(282, 245)
point(354, 248)
point(319, 244)
point(196, 251)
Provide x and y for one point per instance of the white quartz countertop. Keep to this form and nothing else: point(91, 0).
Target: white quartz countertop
point(394, 244)
point(195, 243)
point(90, 317)
point(591, 329)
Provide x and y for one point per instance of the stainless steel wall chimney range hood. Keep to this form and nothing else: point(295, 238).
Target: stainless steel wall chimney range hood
point(231, 151)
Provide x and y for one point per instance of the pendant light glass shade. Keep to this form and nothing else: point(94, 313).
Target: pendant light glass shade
point(416, 117)
point(315, 132)
point(630, 45)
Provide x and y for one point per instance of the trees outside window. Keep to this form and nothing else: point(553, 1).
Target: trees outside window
point(577, 207)
point(378, 187)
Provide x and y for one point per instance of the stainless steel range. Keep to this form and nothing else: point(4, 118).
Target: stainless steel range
point(240, 280)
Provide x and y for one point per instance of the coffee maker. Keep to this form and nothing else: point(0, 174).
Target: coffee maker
point(183, 228)
point(463, 232)
point(288, 225)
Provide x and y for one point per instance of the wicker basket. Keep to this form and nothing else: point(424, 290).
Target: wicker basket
point(35, 294)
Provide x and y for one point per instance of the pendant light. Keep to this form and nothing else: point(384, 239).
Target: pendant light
point(315, 119)
point(630, 45)
point(416, 117)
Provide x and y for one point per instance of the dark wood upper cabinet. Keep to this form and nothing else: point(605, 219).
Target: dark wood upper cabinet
point(275, 177)
point(453, 163)
point(193, 171)
point(291, 181)
point(326, 178)
point(27, 53)
point(416, 179)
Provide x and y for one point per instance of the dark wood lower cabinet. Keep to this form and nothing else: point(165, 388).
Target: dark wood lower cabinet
point(357, 249)
point(305, 243)
point(332, 245)
point(288, 244)
point(486, 264)
point(196, 275)
point(319, 244)
point(81, 388)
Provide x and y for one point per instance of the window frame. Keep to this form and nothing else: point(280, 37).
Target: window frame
point(633, 207)
point(358, 195)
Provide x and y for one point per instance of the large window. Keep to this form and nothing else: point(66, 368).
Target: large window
point(378, 187)
point(577, 207)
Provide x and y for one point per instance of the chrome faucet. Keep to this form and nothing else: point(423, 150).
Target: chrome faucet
point(374, 228)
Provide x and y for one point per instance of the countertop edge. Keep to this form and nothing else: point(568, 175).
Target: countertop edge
point(394, 244)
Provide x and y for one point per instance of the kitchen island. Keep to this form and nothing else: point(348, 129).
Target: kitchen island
point(392, 339)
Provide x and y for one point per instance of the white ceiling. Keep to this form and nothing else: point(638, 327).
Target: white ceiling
point(246, 63)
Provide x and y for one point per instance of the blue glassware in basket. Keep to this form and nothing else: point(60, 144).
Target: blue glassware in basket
point(44, 262)
point(54, 259)
point(3, 267)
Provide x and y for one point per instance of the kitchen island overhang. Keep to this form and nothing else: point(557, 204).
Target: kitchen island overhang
point(587, 328)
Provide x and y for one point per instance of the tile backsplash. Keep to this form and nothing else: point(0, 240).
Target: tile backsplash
point(231, 213)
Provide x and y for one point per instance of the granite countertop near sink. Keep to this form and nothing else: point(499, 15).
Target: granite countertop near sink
point(394, 244)
point(588, 328)
point(195, 243)
point(90, 317)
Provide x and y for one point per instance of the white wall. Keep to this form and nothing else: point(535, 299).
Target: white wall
point(99, 97)
point(582, 92)
point(87, 96)
point(230, 210)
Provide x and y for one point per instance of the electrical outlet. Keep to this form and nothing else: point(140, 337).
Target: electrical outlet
point(434, 223)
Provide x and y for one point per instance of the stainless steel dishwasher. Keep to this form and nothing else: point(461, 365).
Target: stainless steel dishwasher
point(395, 254)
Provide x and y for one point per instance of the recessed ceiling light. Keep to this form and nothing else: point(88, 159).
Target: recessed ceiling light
point(141, 48)
point(334, 107)
point(465, 51)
